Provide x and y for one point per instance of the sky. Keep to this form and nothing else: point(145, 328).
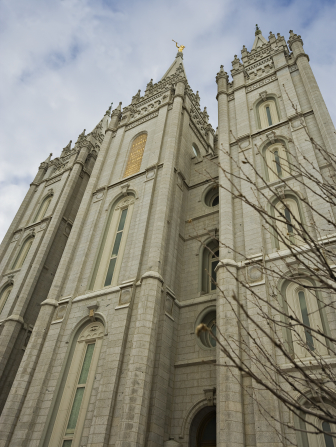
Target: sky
point(63, 63)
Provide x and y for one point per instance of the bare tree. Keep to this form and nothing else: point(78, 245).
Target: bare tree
point(287, 346)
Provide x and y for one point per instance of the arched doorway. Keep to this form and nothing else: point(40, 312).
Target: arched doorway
point(203, 428)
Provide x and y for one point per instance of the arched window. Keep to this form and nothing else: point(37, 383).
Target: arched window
point(267, 113)
point(70, 418)
point(305, 433)
point(212, 196)
point(276, 161)
point(288, 221)
point(210, 260)
point(41, 212)
point(113, 244)
point(4, 294)
point(19, 260)
point(303, 305)
point(135, 155)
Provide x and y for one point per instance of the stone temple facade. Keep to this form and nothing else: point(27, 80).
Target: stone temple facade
point(103, 276)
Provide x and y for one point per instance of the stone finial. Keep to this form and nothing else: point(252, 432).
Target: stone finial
point(149, 87)
point(257, 31)
point(179, 54)
point(205, 115)
point(236, 63)
point(271, 37)
point(117, 110)
point(108, 111)
point(221, 73)
point(197, 97)
point(136, 97)
point(293, 38)
point(244, 51)
point(67, 147)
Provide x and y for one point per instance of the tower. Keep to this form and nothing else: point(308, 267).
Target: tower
point(113, 359)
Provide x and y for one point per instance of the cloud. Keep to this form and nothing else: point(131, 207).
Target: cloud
point(64, 62)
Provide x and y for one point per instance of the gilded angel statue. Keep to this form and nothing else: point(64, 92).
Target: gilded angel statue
point(180, 47)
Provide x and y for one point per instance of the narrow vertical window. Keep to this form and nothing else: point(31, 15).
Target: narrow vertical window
point(77, 402)
point(214, 263)
point(289, 225)
point(41, 212)
point(305, 319)
point(113, 244)
point(269, 118)
point(135, 157)
point(329, 442)
point(277, 163)
point(116, 247)
point(69, 418)
point(23, 253)
point(4, 295)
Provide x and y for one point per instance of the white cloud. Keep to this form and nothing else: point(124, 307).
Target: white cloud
point(64, 62)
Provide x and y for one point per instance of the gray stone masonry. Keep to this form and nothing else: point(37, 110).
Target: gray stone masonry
point(154, 379)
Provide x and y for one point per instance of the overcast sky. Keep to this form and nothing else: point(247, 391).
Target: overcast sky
point(63, 62)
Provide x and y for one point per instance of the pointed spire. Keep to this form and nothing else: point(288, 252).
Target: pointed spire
point(68, 146)
point(47, 160)
point(108, 111)
point(117, 110)
point(136, 97)
point(259, 40)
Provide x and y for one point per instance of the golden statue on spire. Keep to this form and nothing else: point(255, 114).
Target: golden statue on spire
point(180, 47)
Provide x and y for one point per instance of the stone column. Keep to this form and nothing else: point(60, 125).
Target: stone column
point(321, 113)
point(230, 426)
point(133, 424)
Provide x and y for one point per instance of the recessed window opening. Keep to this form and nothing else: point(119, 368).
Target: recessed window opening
point(329, 442)
point(214, 263)
point(305, 319)
point(23, 253)
point(116, 247)
point(209, 319)
point(269, 118)
point(4, 295)
point(277, 163)
point(135, 156)
point(289, 225)
point(212, 196)
point(195, 151)
point(43, 209)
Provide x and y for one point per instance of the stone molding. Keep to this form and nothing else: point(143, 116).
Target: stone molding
point(152, 274)
point(142, 120)
point(16, 318)
point(49, 302)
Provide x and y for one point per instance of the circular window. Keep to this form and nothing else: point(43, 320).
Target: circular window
point(212, 196)
point(209, 319)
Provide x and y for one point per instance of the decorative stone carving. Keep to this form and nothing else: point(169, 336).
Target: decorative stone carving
point(210, 395)
point(125, 202)
point(261, 83)
point(271, 136)
point(92, 331)
point(254, 273)
point(124, 189)
point(60, 312)
point(125, 296)
point(263, 95)
point(92, 310)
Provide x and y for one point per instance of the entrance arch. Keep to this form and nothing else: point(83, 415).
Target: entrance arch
point(203, 428)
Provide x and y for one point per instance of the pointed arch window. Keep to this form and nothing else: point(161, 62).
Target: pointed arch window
point(276, 162)
point(43, 208)
point(20, 258)
point(113, 244)
point(135, 156)
point(303, 305)
point(267, 113)
point(4, 294)
point(210, 261)
point(71, 414)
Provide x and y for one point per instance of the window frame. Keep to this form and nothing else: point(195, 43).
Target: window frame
point(130, 153)
point(269, 161)
point(4, 294)
point(86, 336)
point(37, 217)
point(106, 244)
point(207, 253)
point(18, 263)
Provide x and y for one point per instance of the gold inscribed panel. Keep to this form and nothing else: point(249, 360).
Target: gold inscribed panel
point(135, 156)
